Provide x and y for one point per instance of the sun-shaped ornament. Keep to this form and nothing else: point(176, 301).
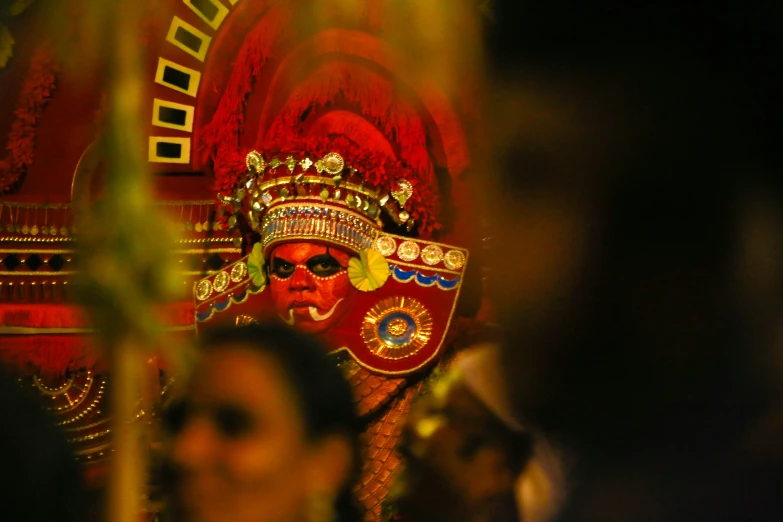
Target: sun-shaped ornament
point(397, 327)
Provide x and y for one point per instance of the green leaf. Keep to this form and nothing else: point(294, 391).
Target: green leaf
point(6, 46)
point(255, 266)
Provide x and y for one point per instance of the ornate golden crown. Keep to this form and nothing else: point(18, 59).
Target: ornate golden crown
point(318, 199)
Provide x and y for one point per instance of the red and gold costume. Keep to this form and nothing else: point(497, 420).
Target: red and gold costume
point(224, 78)
point(321, 261)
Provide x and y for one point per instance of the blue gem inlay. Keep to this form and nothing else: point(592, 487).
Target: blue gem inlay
point(396, 340)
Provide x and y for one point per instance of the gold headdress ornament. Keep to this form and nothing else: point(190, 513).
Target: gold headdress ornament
point(319, 199)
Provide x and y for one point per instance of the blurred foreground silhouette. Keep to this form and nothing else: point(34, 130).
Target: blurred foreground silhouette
point(639, 208)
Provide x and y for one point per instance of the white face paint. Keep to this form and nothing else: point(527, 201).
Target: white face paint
point(318, 317)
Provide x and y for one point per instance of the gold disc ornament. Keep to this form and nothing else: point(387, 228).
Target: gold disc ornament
point(397, 327)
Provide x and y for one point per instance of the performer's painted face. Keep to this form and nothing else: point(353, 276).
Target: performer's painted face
point(310, 286)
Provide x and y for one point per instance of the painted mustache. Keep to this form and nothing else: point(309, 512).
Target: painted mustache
point(319, 317)
point(314, 314)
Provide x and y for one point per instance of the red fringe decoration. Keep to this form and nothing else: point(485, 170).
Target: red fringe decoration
point(50, 354)
point(353, 127)
point(378, 102)
point(221, 134)
point(57, 353)
point(28, 315)
point(35, 93)
point(42, 316)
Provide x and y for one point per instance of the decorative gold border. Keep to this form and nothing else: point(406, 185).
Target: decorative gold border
point(296, 202)
point(222, 13)
point(23, 239)
point(309, 237)
point(423, 267)
point(153, 155)
point(190, 110)
point(179, 23)
point(223, 250)
point(37, 273)
point(72, 405)
point(435, 352)
point(34, 251)
point(266, 242)
point(203, 240)
point(200, 273)
point(195, 76)
point(231, 301)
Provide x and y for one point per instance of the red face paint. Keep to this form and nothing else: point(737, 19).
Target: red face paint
point(309, 285)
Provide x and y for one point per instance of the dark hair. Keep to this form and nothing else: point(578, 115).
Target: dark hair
point(42, 478)
point(324, 397)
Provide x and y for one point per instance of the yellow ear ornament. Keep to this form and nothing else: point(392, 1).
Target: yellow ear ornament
point(369, 271)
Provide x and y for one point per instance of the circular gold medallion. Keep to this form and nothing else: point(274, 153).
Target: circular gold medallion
point(385, 245)
point(333, 163)
point(204, 289)
point(454, 259)
point(397, 327)
point(408, 251)
point(221, 282)
point(432, 255)
point(52, 230)
point(239, 272)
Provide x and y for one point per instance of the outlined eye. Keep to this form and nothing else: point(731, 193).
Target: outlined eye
point(282, 268)
point(323, 265)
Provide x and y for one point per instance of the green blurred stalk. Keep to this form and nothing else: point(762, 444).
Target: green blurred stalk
point(125, 250)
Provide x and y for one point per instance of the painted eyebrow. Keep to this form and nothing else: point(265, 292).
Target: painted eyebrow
point(281, 260)
point(322, 256)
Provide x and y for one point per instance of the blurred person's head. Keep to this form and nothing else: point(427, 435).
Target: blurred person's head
point(266, 431)
point(463, 450)
point(636, 201)
point(40, 476)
